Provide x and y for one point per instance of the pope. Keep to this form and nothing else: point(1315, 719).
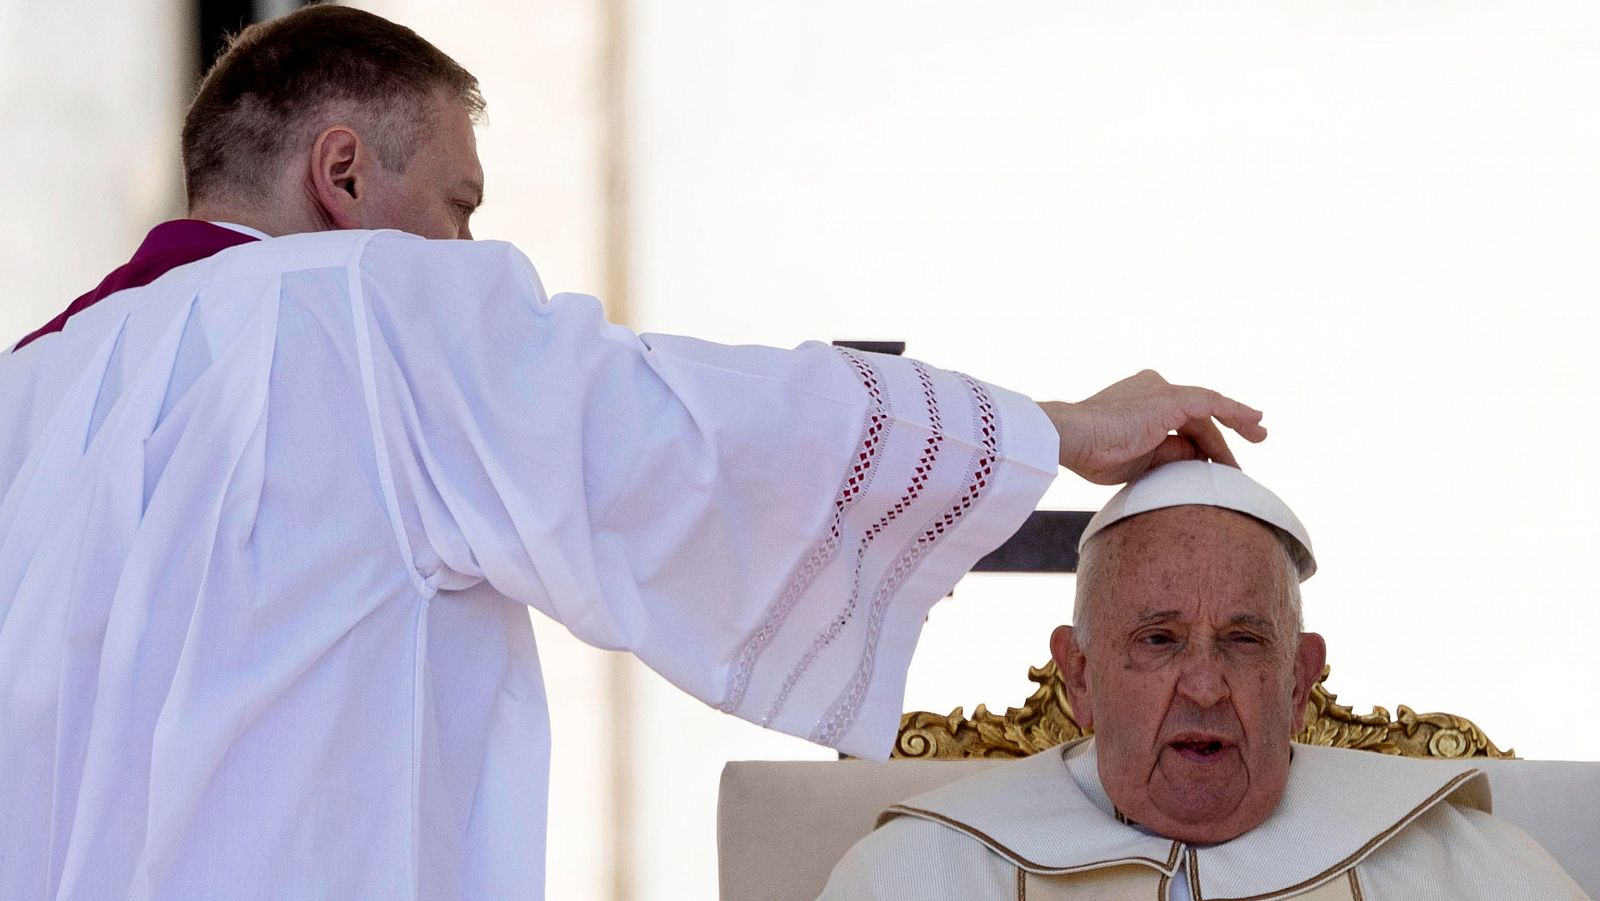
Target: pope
point(1188, 657)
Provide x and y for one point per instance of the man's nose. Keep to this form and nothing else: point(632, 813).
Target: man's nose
point(1202, 680)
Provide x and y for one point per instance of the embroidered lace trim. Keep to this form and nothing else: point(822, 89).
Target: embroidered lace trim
point(841, 716)
point(919, 480)
point(874, 431)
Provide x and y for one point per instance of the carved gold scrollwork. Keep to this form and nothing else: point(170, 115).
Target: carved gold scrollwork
point(1045, 720)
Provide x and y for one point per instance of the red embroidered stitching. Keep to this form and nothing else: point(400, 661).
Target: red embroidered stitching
point(841, 716)
point(921, 473)
point(869, 448)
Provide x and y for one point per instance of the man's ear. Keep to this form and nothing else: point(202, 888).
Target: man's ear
point(339, 164)
point(1309, 659)
point(1072, 665)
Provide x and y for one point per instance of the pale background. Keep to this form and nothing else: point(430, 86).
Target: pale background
point(1378, 224)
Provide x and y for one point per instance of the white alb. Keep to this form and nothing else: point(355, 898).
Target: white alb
point(268, 524)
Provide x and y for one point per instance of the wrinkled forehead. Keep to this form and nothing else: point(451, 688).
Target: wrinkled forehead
point(1187, 554)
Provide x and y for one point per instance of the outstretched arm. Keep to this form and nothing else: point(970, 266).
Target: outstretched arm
point(765, 528)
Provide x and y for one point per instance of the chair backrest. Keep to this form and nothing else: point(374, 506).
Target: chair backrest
point(781, 825)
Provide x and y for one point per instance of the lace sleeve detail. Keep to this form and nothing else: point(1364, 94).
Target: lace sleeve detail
point(841, 715)
point(944, 468)
point(874, 432)
point(919, 479)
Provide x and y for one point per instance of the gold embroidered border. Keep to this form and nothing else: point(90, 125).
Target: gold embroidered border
point(1355, 857)
point(1347, 865)
point(1018, 859)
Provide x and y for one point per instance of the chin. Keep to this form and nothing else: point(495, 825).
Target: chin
point(1205, 818)
point(1207, 831)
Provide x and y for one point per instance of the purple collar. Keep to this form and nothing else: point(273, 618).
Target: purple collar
point(168, 246)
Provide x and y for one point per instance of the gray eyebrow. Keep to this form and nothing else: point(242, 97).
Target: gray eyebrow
point(1251, 619)
point(1242, 619)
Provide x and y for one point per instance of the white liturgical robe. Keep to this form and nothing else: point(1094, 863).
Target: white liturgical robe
point(267, 526)
point(1352, 826)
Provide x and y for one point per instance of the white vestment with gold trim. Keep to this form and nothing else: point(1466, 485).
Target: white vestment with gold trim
point(1351, 825)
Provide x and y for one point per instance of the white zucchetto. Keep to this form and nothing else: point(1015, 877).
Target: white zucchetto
point(1208, 484)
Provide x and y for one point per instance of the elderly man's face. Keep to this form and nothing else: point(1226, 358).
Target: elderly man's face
point(1195, 677)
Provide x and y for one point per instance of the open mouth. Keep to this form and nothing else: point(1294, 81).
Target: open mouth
point(1199, 749)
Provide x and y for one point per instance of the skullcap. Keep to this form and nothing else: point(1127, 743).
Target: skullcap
point(1208, 484)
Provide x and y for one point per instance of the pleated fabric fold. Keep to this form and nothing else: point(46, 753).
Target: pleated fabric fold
point(269, 526)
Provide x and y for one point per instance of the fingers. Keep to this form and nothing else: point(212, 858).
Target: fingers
point(1172, 449)
point(1205, 403)
point(1247, 422)
point(1205, 408)
point(1208, 441)
point(1128, 427)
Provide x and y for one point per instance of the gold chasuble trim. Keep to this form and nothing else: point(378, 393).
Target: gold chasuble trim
point(1337, 890)
point(1346, 865)
point(1119, 883)
point(1039, 816)
point(1014, 857)
point(1129, 882)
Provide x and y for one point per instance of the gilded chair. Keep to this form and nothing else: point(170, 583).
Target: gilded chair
point(1045, 720)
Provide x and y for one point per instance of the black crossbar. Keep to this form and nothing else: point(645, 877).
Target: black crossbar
point(1046, 543)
